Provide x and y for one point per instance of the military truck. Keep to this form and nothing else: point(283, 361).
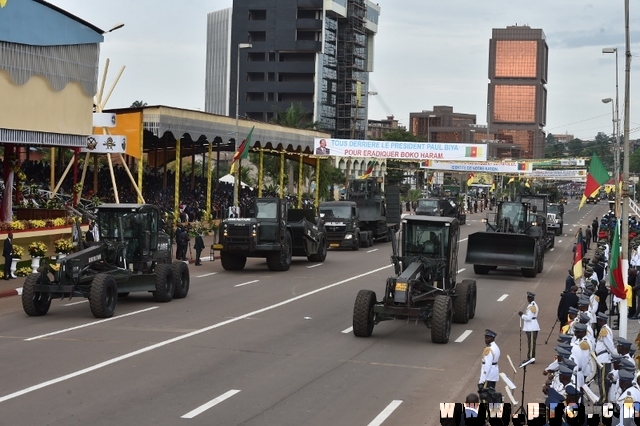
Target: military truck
point(272, 231)
point(423, 287)
point(133, 254)
point(555, 215)
point(366, 215)
point(516, 237)
point(444, 207)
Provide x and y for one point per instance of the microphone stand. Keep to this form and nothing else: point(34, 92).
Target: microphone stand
point(521, 410)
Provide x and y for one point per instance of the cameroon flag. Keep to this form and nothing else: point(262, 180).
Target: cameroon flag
point(615, 273)
point(242, 152)
point(597, 177)
point(473, 151)
point(369, 170)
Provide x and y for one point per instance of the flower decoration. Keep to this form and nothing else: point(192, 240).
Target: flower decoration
point(18, 251)
point(63, 245)
point(54, 267)
point(23, 272)
point(77, 188)
point(37, 249)
point(37, 224)
point(59, 221)
point(17, 225)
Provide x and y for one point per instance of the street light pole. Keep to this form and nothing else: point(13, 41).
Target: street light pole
point(236, 185)
point(616, 157)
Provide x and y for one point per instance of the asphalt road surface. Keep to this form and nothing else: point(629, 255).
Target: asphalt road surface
point(256, 347)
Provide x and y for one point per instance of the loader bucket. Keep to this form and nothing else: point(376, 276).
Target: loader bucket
point(501, 249)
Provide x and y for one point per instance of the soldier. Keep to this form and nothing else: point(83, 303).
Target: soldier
point(489, 371)
point(627, 394)
point(623, 346)
point(530, 326)
point(571, 319)
point(612, 377)
point(604, 350)
point(581, 352)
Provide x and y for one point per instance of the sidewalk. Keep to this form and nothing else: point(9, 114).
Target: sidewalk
point(13, 287)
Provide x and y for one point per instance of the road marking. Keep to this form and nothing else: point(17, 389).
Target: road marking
point(348, 330)
point(150, 348)
point(76, 303)
point(247, 283)
point(89, 324)
point(559, 241)
point(504, 296)
point(206, 275)
point(380, 418)
point(314, 266)
point(551, 249)
point(463, 269)
point(464, 239)
point(201, 409)
point(371, 251)
point(463, 336)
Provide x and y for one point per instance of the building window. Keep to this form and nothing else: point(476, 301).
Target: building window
point(258, 15)
point(255, 96)
point(516, 58)
point(255, 76)
point(514, 104)
point(255, 57)
point(309, 36)
point(272, 56)
point(257, 36)
point(271, 76)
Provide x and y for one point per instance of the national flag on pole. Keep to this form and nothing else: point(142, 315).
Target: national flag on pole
point(493, 187)
point(615, 266)
point(470, 179)
point(597, 177)
point(577, 257)
point(527, 184)
point(511, 180)
point(369, 170)
point(242, 152)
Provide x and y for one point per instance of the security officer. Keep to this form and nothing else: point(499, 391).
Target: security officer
point(623, 346)
point(489, 371)
point(581, 352)
point(530, 325)
point(604, 350)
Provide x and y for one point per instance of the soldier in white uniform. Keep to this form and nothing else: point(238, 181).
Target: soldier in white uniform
point(623, 347)
point(530, 324)
point(612, 377)
point(604, 350)
point(627, 394)
point(489, 371)
point(581, 352)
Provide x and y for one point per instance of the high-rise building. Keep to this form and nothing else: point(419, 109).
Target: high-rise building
point(517, 96)
point(316, 53)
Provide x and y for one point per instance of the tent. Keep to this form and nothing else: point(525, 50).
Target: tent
point(232, 180)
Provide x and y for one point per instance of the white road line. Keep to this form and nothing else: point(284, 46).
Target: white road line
point(75, 303)
point(347, 330)
point(201, 409)
point(89, 324)
point(371, 251)
point(463, 336)
point(248, 282)
point(463, 269)
point(551, 249)
point(464, 239)
point(380, 418)
point(504, 296)
point(314, 266)
point(206, 275)
point(559, 241)
point(150, 348)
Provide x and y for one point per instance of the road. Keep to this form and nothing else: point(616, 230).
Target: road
point(263, 348)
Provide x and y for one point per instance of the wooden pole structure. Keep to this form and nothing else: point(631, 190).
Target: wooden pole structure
point(64, 175)
point(141, 161)
point(176, 195)
point(133, 181)
point(317, 201)
point(209, 178)
point(260, 171)
point(281, 193)
point(113, 179)
point(52, 176)
point(300, 179)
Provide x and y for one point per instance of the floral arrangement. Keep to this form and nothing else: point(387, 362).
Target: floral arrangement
point(63, 245)
point(17, 225)
point(37, 224)
point(18, 251)
point(54, 267)
point(37, 249)
point(23, 272)
point(59, 221)
point(77, 188)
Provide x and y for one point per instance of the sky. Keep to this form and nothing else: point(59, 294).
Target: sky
point(427, 52)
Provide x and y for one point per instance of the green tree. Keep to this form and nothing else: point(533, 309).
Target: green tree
point(138, 104)
point(396, 169)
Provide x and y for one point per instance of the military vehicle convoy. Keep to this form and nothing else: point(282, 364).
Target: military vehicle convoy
point(555, 216)
point(272, 231)
point(516, 237)
point(444, 207)
point(366, 215)
point(133, 254)
point(423, 288)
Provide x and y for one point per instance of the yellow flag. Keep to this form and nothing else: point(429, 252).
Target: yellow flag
point(511, 180)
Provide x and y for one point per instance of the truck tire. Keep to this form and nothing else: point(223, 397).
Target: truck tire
point(364, 239)
point(441, 319)
point(34, 303)
point(321, 255)
point(464, 303)
point(356, 240)
point(164, 283)
point(103, 296)
point(559, 231)
point(371, 239)
point(532, 272)
point(481, 269)
point(553, 243)
point(281, 260)
point(363, 315)
point(232, 262)
point(181, 279)
point(474, 289)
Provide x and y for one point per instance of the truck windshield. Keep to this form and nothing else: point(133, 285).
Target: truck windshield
point(266, 210)
point(432, 204)
point(515, 213)
point(426, 239)
point(552, 209)
point(116, 224)
point(335, 212)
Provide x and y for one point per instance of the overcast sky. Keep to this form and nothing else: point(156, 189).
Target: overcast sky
point(427, 53)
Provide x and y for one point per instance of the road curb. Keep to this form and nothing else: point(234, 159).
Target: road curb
point(13, 292)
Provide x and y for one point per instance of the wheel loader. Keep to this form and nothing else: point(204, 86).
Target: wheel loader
point(423, 288)
point(516, 237)
point(133, 254)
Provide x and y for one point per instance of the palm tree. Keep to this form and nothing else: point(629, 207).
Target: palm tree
point(138, 104)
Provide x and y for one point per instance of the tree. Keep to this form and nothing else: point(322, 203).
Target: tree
point(138, 104)
point(396, 169)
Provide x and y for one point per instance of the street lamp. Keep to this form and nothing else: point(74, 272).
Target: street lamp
point(616, 157)
point(617, 117)
point(236, 185)
point(115, 27)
